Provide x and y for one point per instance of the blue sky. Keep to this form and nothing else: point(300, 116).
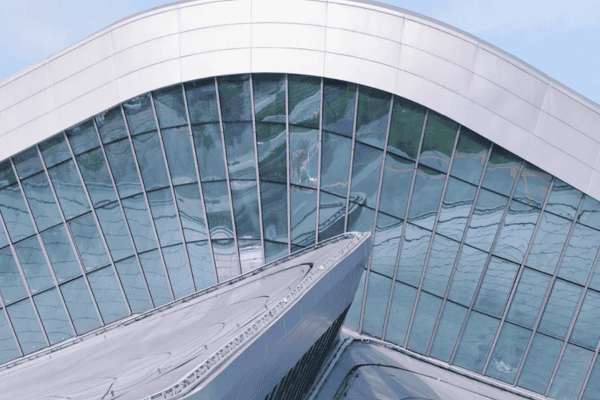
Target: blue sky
point(560, 38)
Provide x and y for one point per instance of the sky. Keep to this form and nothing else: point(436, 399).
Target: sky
point(560, 38)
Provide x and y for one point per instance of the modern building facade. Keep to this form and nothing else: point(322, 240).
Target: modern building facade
point(194, 142)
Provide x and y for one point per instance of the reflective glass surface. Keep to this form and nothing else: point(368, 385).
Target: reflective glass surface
point(448, 331)
point(179, 155)
point(88, 241)
point(559, 309)
point(34, 265)
point(83, 137)
point(468, 271)
point(564, 199)
point(508, 353)
point(338, 106)
point(154, 272)
point(245, 209)
point(54, 150)
point(486, 217)
point(108, 295)
point(360, 218)
point(441, 259)
point(476, 341)
point(239, 143)
point(533, 185)
point(271, 147)
point(469, 158)
point(138, 112)
point(165, 216)
point(41, 201)
point(331, 215)
point(304, 98)
point(540, 362)
point(190, 212)
point(412, 256)
point(60, 253)
point(528, 298)
point(587, 328)
point(225, 259)
point(26, 326)
point(397, 178)
point(590, 212)
point(234, 95)
point(8, 345)
point(15, 214)
point(376, 304)
point(69, 191)
point(209, 151)
point(216, 200)
point(592, 390)
point(170, 109)
point(401, 308)
point(366, 169)
point(406, 127)
point(7, 174)
point(123, 167)
point(274, 211)
point(202, 100)
point(27, 163)
point(96, 177)
point(580, 255)
point(151, 161)
point(496, 286)
point(385, 244)
point(114, 229)
point(372, 116)
point(303, 214)
point(111, 125)
point(269, 97)
point(11, 284)
point(178, 269)
point(251, 254)
point(335, 162)
point(502, 171)
point(353, 316)
point(80, 305)
point(438, 141)
point(426, 197)
point(304, 156)
point(202, 265)
point(133, 284)
point(274, 251)
point(569, 378)
point(516, 232)
point(139, 221)
point(456, 207)
point(424, 322)
point(548, 243)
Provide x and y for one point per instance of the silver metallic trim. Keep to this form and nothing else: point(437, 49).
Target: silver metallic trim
point(351, 167)
point(11, 327)
point(319, 163)
point(287, 162)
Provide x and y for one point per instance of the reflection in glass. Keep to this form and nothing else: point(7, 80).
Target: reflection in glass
point(60, 253)
point(439, 267)
point(438, 141)
point(155, 276)
point(165, 217)
point(360, 218)
point(528, 298)
point(234, 95)
point(401, 308)
point(332, 211)
point(486, 217)
point(151, 160)
point(424, 322)
point(469, 158)
point(114, 230)
point(41, 201)
point(54, 150)
point(178, 269)
point(8, 345)
point(7, 175)
point(245, 209)
point(202, 100)
point(590, 212)
point(540, 362)
point(11, 285)
point(123, 168)
point(496, 286)
point(170, 109)
point(502, 171)
point(353, 316)
point(271, 146)
point(385, 244)
point(202, 266)
point(412, 257)
point(476, 341)
point(335, 161)
point(304, 153)
point(569, 378)
point(580, 254)
point(397, 178)
point(239, 143)
point(226, 259)
point(448, 331)
point(26, 325)
point(83, 137)
point(15, 214)
point(69, 191)
point(372, 116)
point(376, 304)
point(111, 125)
point(274, 211)
point(508, 352)
point(140, 223)
point(303, 213)
point(457, 204)
point(564, 199)
point(3, 237)
point(96, 177)
point(304, 98)
point(269, 97)
point(179, 155)
point(516, 232)
point(533, 185)
point(592, 389)
point(559, 309)
point(80, 305)
point(468, 271)
point(34, 265)
point(216, 199)
point(108, 295)
point(338, 106)
point(274, 251)
point(133, 285)
point(251, 254)
point(138, 112)
point(87, 238)
point(548, 243)
point(366, 170)
point(426, 197)
point(406, 128)
point(190, 212)
point(587, 328)
point(209, 151)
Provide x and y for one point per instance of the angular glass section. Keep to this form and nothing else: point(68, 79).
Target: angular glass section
point(151, 160)
point(83, 137)
point(41, 201)
point(592, 389)
point(400, 311)
point(140, 223)
point(190, 212)
point(496, 286)
point(304, 93)
point(274, 251)
point(516, 232)
point(165, 217)
point(304, 156)
point(69, 191)
point(468, 271)
point(274, 211)
point(97, 178)
point(580, 255)
point(11, 285)
point(335, 163)
point(438, 141)
point(8, 347)
point(133, 284)
point(239, 143)
point(366, 170)
point(485, 220)
point(216, 199)
point(590, 212)
point(251, 254)
point(234, 96)
point(528, 298)
point(80, 305)
point(59, 250)
point(202, 266)
point(178, 269)
point(303, 213)
point(424, 322)
point(406, 128)
point(376, 305)
point(170, 108)
point(397, 178)
point(123, 167)
point(154, 272)
point(88, 241)
point(587, 328)
point(559, 309)
point(209, 151)
point(469, 158)
point(111, 125)
point(54, 150)
point(180, 159)
point(372, 116)
point(564, 199)
point(269, 97)
point(34, 265)
point(476, 341)
point(412, 256)
point(457, 204)
point(114, 229)
point(332, 211)
point(27, 327)
point(108, 295)
point(548, 243)
point(28, 162)
point(571, 373)
point(508, 352)
point(448, 331)
point(7, 175)
point(3, 237)
point(385, 244)
point(426, 197)
point(353, 316)
point(502, 171)
point(245, 209)
point(533, 185)
point(441, 259)
point(540, 362)
point(271, 146)
point(226, 259)
point(15, 214)
point(138, 112)
point(360, 218)
point(202, 100)
point(338, 106)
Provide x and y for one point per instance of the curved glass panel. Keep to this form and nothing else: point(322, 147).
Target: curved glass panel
point(424, 322)
point(271, 146)
point(138, 112)
point(335, 163)
point(239, 143)
point(108, 295)
point(426, 197)
point(528, 298)
point(111, 125)
point(245, 209)
point(178, 269)
point(580, 254)
point(559, 309)
point(438, 141)
point(456, 207)
point(376, 304)
point(587, 328)
point(41, 201)
point(385, 244)
point(486, 218)
point(590, 212)
point(151, 161)
point(11, 285)
point(448, 331)
point(26, 325)
point(412, 256)
point(372, 116)
point(496, 286)
point(83, 137)
point(80, 305)
point(209, 151)
point(401, 308)
point(533, 185)
point(88, 241)
point(123, 167)
point(190, 212)
point(269, 97)
point(304, 152)
point(502, 171)
point(274, 211)
point(34, 265)
point(202, 100)
point(366, 169)
point(140, 223)
point(15, 214)
point(468, 270)
point(303, 214)
point(569, 378)
point(508, 353)
point(59, 250)
point(216, 201)
point(234, 95)
point(114, 229)
point(476, 341)
point(405, 128)
point(97, 179)
point(469, 158)
point(397, 178)
point(516, 232)
point(332, 210)
point(179, 155)
point(170, 109)
point(251, 254)
point(441, 259)
point(155, 276)
point(202, 266)
point(69, 191)
point(540, 362)
point(304, 98)
point(9, 349)
point(165, 217)
point(338, 106)
point(548, 243)
point(133, 284)
point(564, 199)
point(54, 150)
point(225, 259)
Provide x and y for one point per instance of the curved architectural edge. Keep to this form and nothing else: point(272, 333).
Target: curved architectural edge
point(376, 45)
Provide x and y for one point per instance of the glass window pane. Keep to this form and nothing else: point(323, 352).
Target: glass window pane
point(592, 390)
point(457, 204)
point(34, 265)
point(401, 308)
point(87, 238)
point(61, 253)
point(190, 212)
point(7, 175)
point(28, 162)
point(528, 298)
point(397, 178)
point(540, 362)
point(179, 155)
point(508, 352)
point(26, 325)
point(155, 276)
point(469, 158)
point(496, 286)
point(338, 106)
point(108, 294)
point(468, 271)
point(304, 99)
point(548, 243)
point(502, 171)
point(385, 244)
point(516, 231)
point(239, 143)
point(170, 109)
point(226, 259)
point(216, 199)
point(138, 112)
point(245, 209)
point(69, 191)
point(202, 100)
point(133, 284)
point(412, 257)
point(209, 151)
point(587, 327)
point(406, 128)
point(8, 345)
point(3, 237)
point(80, 305)
point(111, 125)
point(372, 116)
point(366, 170)
point(571, 373)
point(441, 259)
point(426, 198)
point(448, 330)
point(234, 95)
point(123, 168)
point(15, 214)
point(564, 199)
point(96, 177)
point(139, 223)
point(559, 309)
point(335, 162)
point(269, 97)
point(178, 269)
point(476, 341)
point(83, 137)
point(274, 211)
point(54, 150)
point(332, 212)
point(41, 200)
point(580, 254)
point(165, 217)
point(151, 160)
point(11, 285)
point(533, 185)
point(590, 212)
point(304, 153)
point(303, 214)
point(202, 266)
point(485, 220)
point(271, 146)
point(251, 254)
point(424, 322)
point(274, 251)
point(114, 230)
point(377, 298)
point(438, 141)
point(360, 218)
point(353, 316)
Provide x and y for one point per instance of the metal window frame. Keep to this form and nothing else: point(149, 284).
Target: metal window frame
point(351, 167)
point(319, 162)
point(287, 163)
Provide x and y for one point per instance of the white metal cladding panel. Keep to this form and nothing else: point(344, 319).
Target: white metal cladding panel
point(389, 49)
